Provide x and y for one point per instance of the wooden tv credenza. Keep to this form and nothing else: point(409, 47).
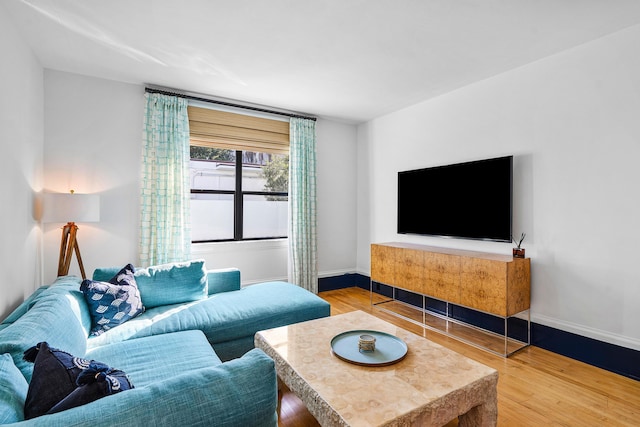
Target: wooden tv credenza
point(494, 284)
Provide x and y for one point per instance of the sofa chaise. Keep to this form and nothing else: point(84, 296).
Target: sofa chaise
point(189, 354)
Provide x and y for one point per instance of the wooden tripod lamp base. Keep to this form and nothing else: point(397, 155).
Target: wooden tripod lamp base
point(71, 207)
point(68, 245)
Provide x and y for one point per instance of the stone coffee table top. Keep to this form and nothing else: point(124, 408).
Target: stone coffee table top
point(431, 386)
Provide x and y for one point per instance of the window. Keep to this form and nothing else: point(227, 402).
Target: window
point(238, 192)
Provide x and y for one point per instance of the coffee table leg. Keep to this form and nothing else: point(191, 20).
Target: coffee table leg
point(481, 415)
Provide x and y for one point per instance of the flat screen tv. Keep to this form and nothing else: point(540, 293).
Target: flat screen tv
point(471, 200)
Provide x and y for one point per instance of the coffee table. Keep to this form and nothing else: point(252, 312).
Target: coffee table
point(431, 386)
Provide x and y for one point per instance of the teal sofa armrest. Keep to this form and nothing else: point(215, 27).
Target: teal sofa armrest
point(241, 392)
point(24, 306)
point(55, 318)
point(223, 280)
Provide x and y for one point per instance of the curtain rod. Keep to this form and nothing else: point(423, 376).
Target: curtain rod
point(228, 104)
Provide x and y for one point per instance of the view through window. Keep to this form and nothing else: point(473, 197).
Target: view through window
point(238, 195)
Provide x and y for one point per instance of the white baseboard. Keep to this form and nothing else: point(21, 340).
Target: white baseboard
point(333, 273)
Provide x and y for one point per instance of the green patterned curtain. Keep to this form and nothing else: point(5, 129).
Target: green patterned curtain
point(165, 231)
point(303, 268)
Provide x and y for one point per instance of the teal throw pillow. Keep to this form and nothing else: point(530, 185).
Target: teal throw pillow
point(114, 302)
point(173, 283)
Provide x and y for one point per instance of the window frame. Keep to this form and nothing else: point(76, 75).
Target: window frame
point(238, 204)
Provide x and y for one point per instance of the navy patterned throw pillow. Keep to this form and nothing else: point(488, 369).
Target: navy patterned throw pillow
point(98, 380)
point(114, 302)
point(54, 377)
point(62, 381)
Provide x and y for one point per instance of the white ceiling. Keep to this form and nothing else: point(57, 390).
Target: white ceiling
point(351, 60)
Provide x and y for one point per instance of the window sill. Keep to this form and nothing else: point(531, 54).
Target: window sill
point(208, 247)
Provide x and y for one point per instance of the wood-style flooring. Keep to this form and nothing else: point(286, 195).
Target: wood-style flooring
point(535, 387)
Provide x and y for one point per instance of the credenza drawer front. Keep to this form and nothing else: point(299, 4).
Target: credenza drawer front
point(409, 271)
point(483, 285)
point(442, 276)
point(383, 261)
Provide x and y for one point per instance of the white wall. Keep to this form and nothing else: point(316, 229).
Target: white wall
point(93, 138)
point(21, 148)
point(572, 121)
point(93, 133)
point(337, 171)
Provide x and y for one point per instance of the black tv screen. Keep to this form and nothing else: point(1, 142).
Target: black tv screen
point(471, 200)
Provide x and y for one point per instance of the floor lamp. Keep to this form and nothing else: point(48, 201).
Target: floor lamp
point(72, 208)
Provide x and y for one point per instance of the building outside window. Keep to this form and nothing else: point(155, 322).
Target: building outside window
point(238, 195)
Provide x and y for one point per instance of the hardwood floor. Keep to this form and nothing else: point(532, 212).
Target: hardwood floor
point(535, 387)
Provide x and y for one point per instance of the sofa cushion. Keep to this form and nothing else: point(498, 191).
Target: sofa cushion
point(150, 359)
point(69, 288)
point(103, 274)
point(13, 391)
point(239, 315)
point(227, 316)
point(114, 302)
point(167, 284)
point(242, 392)
point(232, 315)
point(54, 318)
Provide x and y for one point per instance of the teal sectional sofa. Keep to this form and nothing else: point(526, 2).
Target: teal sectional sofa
point(189, 355)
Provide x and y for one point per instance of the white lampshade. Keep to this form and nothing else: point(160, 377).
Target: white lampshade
point(71, 207)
